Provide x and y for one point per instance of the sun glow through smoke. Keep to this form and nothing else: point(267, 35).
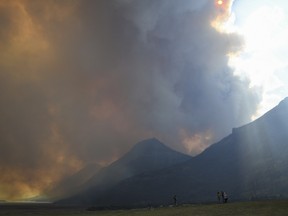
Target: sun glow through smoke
point(264, 58)
point(223, 9)
point(219, 2)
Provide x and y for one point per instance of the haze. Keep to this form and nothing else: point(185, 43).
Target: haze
point(82, 81)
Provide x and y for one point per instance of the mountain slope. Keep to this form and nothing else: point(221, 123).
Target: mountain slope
point(73, 184)
point(252, 162)
point(145, 156)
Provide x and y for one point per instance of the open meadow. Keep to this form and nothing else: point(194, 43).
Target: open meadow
point(263, 208)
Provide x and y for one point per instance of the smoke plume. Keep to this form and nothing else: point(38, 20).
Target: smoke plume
point(82, 81)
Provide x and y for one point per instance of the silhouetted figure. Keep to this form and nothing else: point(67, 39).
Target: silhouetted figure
point(219, 196)
point(222, 195)
point(175, 200)
point(225, 196)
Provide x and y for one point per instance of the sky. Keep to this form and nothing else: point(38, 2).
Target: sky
point(264, 24)
point(83, 81)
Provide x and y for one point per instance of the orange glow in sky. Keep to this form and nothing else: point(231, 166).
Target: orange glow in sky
point(223, 9)
point(219, 2)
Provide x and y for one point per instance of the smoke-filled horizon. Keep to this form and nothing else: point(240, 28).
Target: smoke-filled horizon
point(82, 81)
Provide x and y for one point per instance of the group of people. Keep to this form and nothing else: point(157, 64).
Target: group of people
point(222, 196)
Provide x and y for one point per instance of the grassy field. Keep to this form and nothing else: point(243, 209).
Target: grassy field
point(263, 208)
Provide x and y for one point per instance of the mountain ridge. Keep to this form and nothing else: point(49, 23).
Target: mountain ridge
point(145, 156)
point(249, 163)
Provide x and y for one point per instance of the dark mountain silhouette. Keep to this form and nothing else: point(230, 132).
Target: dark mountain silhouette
point(146, 156)
point(73, 184)
point(252, 162)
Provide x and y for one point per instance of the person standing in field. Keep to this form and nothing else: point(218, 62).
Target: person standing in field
point(175, 200)
point(225, 197)
point(219, 196)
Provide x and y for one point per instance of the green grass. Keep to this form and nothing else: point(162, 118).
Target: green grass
point(263, 208)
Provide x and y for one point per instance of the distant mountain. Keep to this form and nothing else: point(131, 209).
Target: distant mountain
point(250, 163)
point(73, 184)
point(146, 156)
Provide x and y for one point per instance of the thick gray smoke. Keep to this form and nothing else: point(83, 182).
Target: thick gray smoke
point(81, 81)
